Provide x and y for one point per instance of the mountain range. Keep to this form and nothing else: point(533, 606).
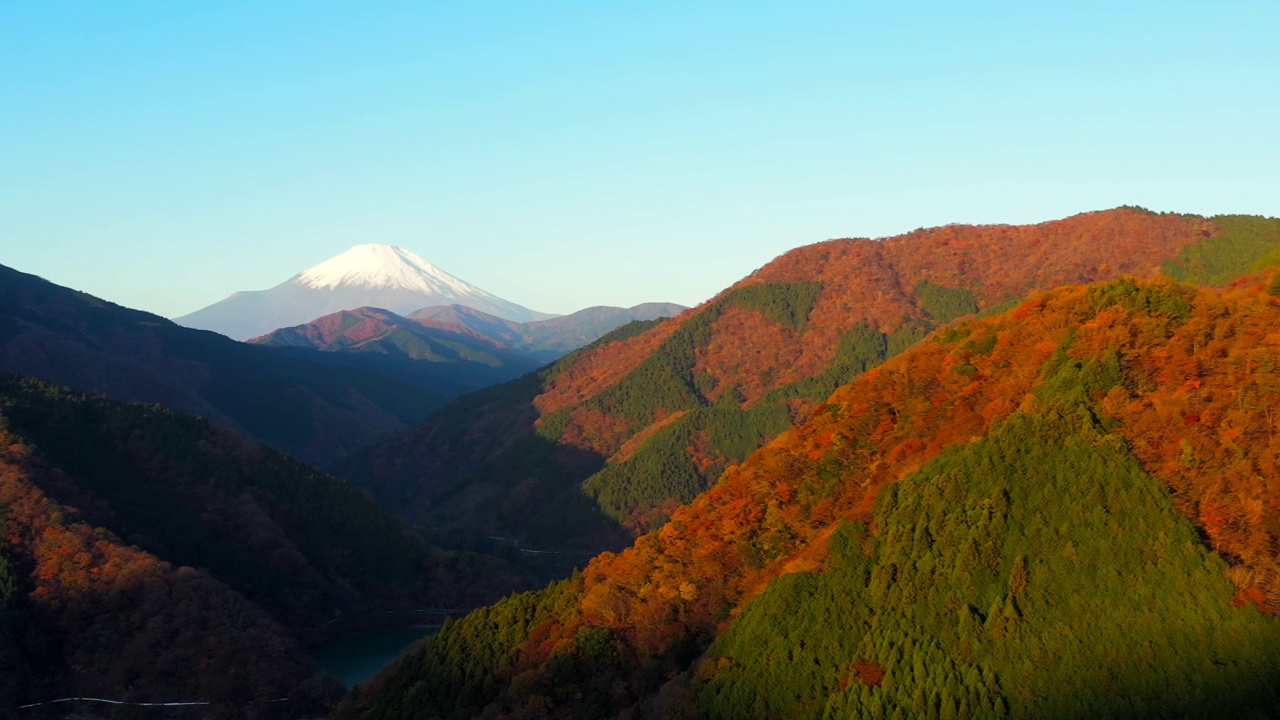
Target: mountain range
point(553, 338)
point(620, 433)
point(381, 276)
point(317, 391)
point(970, 471)
point(445, 331)
point(316, 406)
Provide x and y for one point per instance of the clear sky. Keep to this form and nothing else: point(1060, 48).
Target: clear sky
point(563, 154)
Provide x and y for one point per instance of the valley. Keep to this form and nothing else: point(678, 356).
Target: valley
point(639, 361)
point(973, 471)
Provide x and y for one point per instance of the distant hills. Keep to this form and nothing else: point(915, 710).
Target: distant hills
point(381, 276)
point(373, 330)
point(550, 339)
point(316, 406)
point(459, 332)
point(317, 391)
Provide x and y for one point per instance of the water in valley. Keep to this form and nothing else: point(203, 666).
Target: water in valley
point(356, 658)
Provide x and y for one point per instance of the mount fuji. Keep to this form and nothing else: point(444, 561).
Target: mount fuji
point(382, 276)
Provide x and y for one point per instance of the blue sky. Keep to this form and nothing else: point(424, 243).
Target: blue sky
point(164, 154)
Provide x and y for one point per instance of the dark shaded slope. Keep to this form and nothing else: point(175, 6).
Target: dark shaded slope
point(312, 407)
point(86, 614)
point(481, 436)
point(304, 545)
point(147, 558)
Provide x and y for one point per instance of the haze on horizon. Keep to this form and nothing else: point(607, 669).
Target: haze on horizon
point(163, 156)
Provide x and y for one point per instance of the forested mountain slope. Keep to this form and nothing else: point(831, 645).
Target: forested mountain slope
point(85, 613)
point(148, 556)
point(643, 423)
point(1084, 524)
point(300, 543)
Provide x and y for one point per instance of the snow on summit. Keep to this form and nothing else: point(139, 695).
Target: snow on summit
point(384, 266)
point(382, 276)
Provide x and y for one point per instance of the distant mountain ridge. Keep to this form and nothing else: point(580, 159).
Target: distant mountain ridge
point(315, 406)
point(552, 338)
point(370, 275)
point(445, 331)
point(381, 331)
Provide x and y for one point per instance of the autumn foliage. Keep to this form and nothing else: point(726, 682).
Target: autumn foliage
point(100, 617)
point(871, 282)
point(783, 337)
point(148, 556)
point(1187, 377)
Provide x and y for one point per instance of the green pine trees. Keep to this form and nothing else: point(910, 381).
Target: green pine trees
point(1038, 573)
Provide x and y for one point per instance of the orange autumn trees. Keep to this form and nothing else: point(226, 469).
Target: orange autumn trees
point(114, 621)
point(1200, 411)
point(146, 555)
point(513, 460)
point(1187, 377)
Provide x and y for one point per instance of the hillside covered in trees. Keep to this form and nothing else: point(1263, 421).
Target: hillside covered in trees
point(604, 444)
point(149, 556)
point(1067, 509)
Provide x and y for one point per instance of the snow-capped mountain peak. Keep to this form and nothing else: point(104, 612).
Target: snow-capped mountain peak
point(380, 276)
point(384, 266)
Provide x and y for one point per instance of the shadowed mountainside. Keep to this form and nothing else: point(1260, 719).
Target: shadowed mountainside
point(315, 406)
point(147, 555)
